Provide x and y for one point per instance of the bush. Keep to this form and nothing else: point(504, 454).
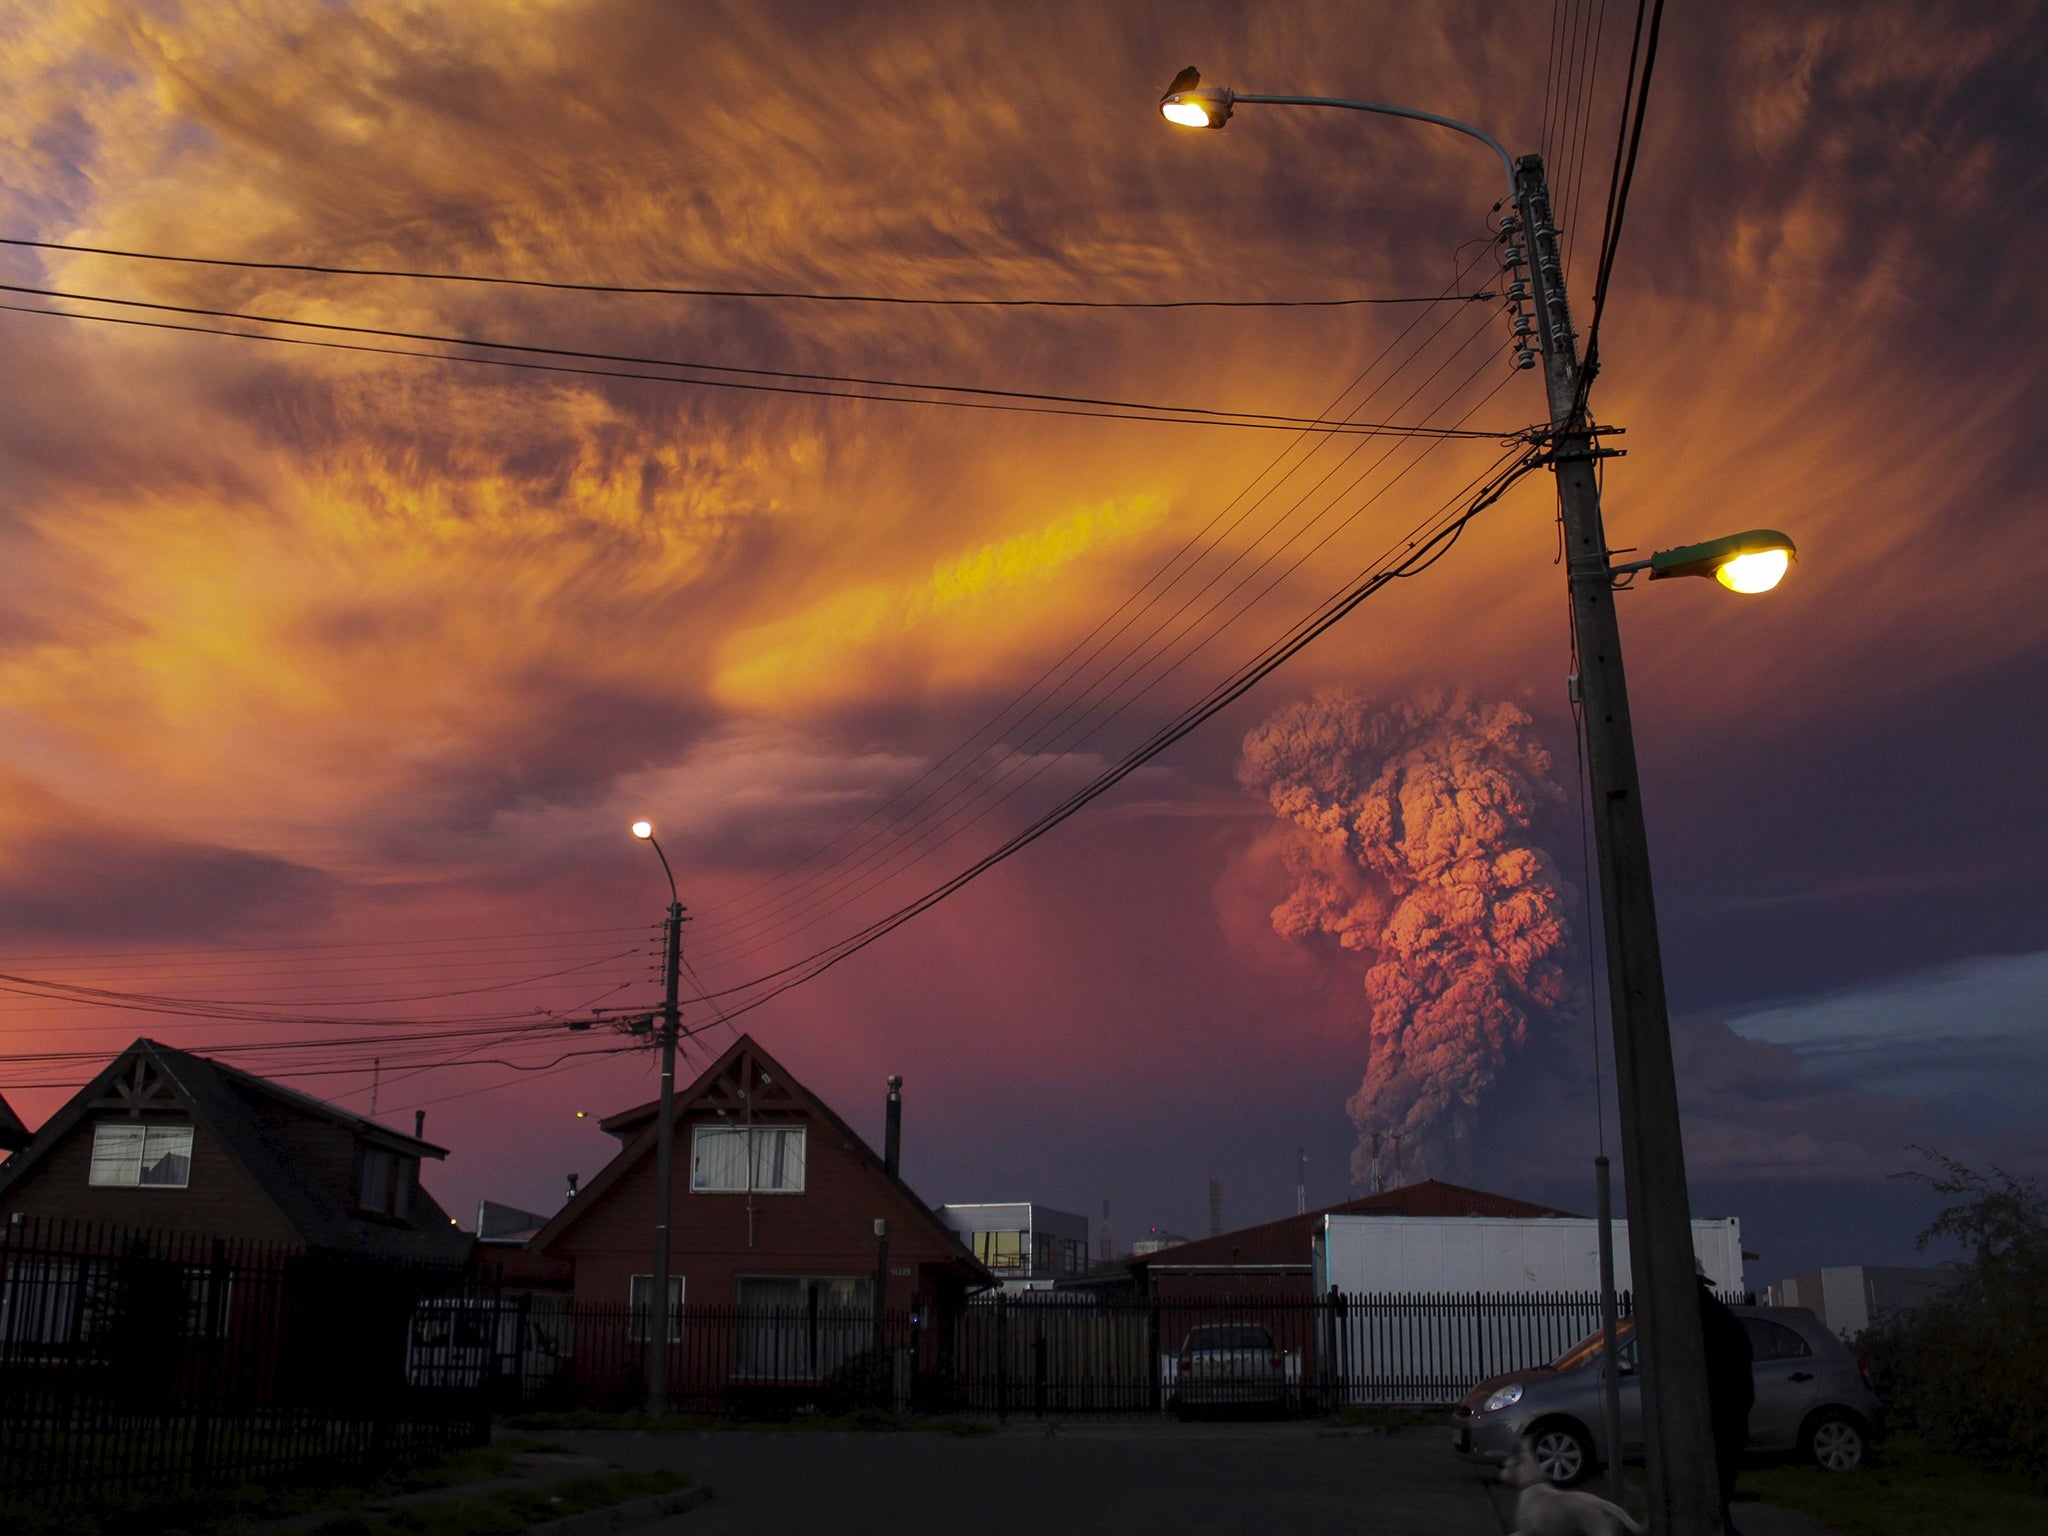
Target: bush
point(1966, 1370)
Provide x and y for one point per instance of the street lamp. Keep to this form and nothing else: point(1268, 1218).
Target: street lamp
point(1677, 1425)
point(665, 1138)
point(1755, 561)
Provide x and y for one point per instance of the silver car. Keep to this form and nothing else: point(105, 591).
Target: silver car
point(1229, 1366)
point(1811, 1398)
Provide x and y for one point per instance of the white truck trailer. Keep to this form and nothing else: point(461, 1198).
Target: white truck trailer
point(1432, 1304)
point(1495, 1253)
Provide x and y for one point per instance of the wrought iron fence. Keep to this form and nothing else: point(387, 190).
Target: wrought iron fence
point(135, 1364)
point(1045, 1353)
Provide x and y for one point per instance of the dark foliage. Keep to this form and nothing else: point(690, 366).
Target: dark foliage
point(1966, 1369)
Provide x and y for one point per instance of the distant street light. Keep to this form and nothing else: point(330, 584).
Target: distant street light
point(665, 1141)
point(1678, 1430)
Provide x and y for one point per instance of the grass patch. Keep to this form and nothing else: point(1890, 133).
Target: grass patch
point(507, 1512)
point(1910, 1490)
point(225, 1511)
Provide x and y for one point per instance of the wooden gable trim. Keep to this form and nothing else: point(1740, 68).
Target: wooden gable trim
point(145, 1087)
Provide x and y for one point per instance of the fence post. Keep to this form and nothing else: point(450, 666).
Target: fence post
point(1002, 1357)
point(1038, 1360)
point(211, 1341)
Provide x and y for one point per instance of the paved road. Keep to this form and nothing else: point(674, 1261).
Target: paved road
point(1082, 1480)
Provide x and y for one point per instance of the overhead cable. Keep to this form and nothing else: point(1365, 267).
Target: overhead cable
point(954, 396)
point(659, 291)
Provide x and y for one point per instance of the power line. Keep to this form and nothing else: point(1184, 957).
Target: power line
point(1420, 556)
point(561, 285)
point(1617, 192)
point(984, 397)
point(1042, 694)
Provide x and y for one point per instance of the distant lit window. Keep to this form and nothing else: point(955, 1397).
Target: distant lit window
point(135, 1155)
point(720, 1162)
point(999, 1250)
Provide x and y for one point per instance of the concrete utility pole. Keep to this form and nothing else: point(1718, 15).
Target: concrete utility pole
point(665, 1137)
point(1671, 1357)
point(1677, 1423)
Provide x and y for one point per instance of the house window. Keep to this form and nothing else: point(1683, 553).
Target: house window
point(798, 1328)
point(47, 1304)
point(1073, 1256)
point(720, 1164)
point(386, 1183)
point(40, 1303)
point(640, 1290)
point(136, 1155)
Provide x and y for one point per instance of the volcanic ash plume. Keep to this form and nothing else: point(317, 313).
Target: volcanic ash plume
point(1415, 847)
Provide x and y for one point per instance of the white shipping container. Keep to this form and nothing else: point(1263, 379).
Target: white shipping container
point(1496, 1253)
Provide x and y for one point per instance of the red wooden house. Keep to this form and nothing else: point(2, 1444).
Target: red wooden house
point(180, 1222)
point(165, 1141)
point(783, 1225)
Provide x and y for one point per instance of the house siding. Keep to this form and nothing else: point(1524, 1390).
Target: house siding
point(219, 1198)
point(826, 1231)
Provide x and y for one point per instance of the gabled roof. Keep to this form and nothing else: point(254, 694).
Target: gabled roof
point(718, 1090)
point(13, 1134)
point(1286, 1241)
point(230, 1104)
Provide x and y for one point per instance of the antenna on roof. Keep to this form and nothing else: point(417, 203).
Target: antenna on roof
point(1301, 1181)
point(1215, 1207)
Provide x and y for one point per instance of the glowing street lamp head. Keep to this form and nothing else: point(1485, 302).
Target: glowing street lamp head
point(1755, 561)
point(1193, 105)
point(1758, 571)
point(643, 829)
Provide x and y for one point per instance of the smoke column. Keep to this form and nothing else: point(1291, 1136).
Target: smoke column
point(1415, 847)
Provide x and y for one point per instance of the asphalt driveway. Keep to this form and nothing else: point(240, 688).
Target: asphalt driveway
point(1081, 1479)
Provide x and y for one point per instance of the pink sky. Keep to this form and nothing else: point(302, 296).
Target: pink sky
point(332, 679)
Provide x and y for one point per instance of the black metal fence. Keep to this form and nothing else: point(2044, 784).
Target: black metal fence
point(1040, 1353)
point(137, 1364)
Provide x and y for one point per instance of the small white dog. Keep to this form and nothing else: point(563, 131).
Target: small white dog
point(1541, 1510)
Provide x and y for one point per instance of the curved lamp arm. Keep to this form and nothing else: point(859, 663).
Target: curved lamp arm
point(644, 830)
point(1230, 97)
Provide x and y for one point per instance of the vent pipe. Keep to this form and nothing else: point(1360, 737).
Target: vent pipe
point(892, 1141)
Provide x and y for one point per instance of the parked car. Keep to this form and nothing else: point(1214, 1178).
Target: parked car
point(1225, 1366)
point(1811, 1399)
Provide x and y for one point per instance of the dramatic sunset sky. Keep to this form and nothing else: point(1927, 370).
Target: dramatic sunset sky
point(331, 679)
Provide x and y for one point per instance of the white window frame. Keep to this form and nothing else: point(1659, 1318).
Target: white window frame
point(763, 1154)
point(155, 1143)
point(809, 1337)
point(637, 1288)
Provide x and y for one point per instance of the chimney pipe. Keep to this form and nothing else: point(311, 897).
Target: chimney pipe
point(419, 1124)
point(572, 1186)
point(892, 1141)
